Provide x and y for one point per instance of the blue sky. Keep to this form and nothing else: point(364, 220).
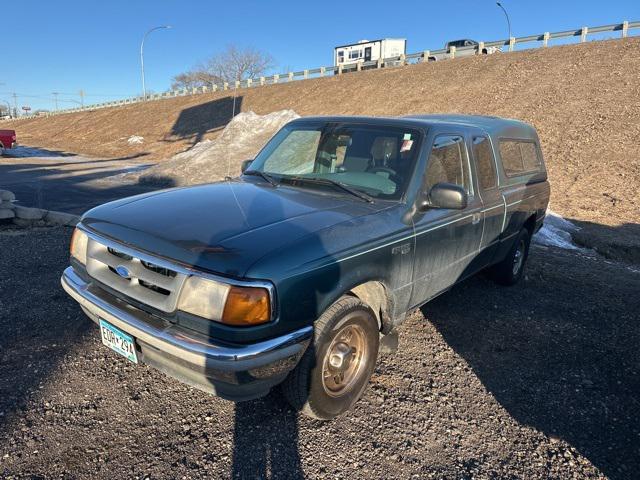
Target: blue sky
point(68, 45)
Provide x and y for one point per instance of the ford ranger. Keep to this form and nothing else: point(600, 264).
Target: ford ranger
point(297, 271)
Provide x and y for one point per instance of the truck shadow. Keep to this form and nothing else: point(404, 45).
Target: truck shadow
point(564, 362)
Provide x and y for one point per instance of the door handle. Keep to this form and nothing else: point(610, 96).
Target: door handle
point(475, 218)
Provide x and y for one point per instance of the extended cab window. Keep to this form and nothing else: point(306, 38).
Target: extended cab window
point(485, 163)
point(519, 156)
point(448, 163)
point(375, 159)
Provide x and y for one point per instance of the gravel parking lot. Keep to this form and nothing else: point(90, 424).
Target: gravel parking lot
point(541, 380)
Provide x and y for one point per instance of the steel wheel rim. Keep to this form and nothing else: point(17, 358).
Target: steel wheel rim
point(344, 360)
point(518, 257)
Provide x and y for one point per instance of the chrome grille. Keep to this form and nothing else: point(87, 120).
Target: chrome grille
point(146, 282)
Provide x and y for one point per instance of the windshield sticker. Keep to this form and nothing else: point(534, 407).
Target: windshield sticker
point(406, 145)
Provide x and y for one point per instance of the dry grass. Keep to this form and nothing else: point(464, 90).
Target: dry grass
point(583, 99)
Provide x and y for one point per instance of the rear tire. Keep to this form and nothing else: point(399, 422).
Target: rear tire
point(510, 270)
point(335, 370)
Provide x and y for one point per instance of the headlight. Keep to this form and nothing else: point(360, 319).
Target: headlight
point(78, 246)
point(239, 306)
point(204, 298)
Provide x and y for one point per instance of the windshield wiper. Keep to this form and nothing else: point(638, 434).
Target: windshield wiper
point(266, 176)
point(335, 183)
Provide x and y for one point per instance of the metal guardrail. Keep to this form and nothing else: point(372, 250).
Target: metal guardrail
point(318, 72)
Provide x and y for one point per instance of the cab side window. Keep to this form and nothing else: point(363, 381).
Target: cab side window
point(448, 163)
point(485, 163)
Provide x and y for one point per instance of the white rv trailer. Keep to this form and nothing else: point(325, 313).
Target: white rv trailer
point(365, 51)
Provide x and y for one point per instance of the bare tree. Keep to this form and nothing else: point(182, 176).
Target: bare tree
point(235, 64)
point(197, 77)
point(231, 65)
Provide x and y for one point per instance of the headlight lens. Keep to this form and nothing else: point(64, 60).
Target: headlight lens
point(238, 306)
point(204, 298)
point(78, 247)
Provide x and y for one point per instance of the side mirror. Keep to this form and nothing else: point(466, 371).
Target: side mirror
point(444, 195)
point(245, 164)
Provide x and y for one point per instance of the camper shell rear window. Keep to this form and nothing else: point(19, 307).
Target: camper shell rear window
point(519, 157)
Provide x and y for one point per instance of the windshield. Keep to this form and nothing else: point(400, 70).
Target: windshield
point(373, 159)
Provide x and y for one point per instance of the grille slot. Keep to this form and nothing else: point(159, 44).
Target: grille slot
point(119, 254)
point(154, 288)
point(161, 270)
point(148, 282)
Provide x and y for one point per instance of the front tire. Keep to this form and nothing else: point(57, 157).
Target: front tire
point(510, 270)
point(335, 370)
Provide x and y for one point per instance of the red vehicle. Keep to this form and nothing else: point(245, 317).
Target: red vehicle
point(7, 140)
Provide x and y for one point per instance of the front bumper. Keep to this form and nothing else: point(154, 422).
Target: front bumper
point(232, 371)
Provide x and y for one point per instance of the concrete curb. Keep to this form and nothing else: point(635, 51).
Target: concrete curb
point(28, 217)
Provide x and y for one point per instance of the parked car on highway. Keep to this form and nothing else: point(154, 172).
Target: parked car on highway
point(463, 48)
point(7, 140)
point(299, 270)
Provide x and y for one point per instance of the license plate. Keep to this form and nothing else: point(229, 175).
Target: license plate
point(118, 341)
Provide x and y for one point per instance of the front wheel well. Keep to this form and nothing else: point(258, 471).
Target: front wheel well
point(374, 294)
point(530, 224)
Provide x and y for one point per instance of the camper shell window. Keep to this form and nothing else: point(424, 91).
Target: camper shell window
point(519, 157)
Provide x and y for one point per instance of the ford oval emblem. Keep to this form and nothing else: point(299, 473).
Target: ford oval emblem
point(123, 272)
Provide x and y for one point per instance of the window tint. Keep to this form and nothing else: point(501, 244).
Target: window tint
point(485, 163)
point(519, 157)
point(448, 162)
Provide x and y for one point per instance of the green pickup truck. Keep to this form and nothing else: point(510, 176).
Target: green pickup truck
point(301, 269)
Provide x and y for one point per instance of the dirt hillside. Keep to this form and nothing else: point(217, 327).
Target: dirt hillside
point(583, 99)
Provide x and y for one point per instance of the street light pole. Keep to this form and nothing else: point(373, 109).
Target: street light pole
point(144, 90)
point(506, 15)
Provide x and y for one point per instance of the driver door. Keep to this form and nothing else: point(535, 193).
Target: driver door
point(446, 240)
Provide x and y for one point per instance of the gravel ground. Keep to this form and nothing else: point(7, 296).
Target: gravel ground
point(541, 380)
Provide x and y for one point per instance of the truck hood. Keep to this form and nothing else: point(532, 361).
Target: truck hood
point(221, 227)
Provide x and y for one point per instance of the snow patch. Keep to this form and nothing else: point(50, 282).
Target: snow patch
point(135, 140)
point(212, 160)
point(556, 232)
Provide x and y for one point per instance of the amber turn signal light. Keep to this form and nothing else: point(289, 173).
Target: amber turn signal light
point(246, 306)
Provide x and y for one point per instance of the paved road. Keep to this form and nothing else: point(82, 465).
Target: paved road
point(64, 182)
